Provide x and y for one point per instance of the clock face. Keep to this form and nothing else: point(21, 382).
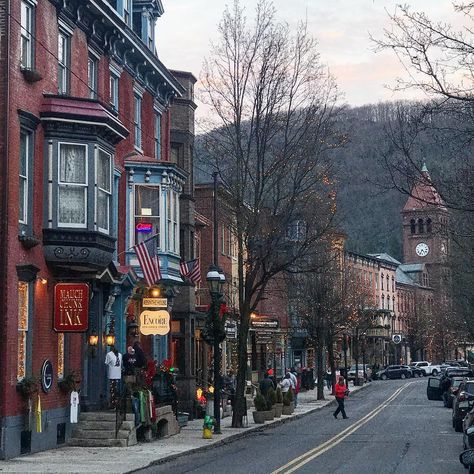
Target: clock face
point(422, 249)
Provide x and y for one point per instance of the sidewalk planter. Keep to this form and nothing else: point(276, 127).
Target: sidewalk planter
point(286, 410)
point(278, 409)
point(268, 415)
point(292, 406)
point(258, 417)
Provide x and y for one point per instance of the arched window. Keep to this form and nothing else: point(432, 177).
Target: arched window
point(393, 284)
point(428, 225)
point(413, 226)
point(381, 283)
point(388, 283)
point(383, 302)
point(421, 226)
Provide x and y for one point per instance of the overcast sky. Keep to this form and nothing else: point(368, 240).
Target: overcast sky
point(341, 26)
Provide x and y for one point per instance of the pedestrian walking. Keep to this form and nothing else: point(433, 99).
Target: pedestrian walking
point(341, 392)
point(285, 384)
point(113, 361)
point(329, 379)
point(266, 384)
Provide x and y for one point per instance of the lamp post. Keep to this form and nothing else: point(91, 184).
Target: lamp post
point(215, 280)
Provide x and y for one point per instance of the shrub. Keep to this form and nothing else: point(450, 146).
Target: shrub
point(279, 395)
point(288, 398)
point(269, 404)
point(260, 403)
point(271, 395)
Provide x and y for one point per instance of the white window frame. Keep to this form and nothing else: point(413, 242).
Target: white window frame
point(63, 67)
point(127, 11)
point(85, 186)
point(25, 178)
point(157, 135)
point(137, 120)
point(135, 215)
point(99, 189)
point(114, 90)
point(93, 74)
point(26, 29)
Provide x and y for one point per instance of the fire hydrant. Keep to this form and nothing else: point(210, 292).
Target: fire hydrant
point(207, 427)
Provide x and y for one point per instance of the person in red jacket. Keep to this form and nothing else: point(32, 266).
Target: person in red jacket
point(341, 392)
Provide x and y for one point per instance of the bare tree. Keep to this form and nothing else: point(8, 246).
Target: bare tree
point(273, 107)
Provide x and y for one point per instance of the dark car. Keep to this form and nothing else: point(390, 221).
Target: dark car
point(394, 372)
point(462, 404)
point(415, 371)
point(450, 395)
point(468, 427)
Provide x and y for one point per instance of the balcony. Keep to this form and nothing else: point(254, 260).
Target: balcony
point(69, 250)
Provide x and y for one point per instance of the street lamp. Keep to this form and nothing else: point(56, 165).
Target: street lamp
point(216, 279)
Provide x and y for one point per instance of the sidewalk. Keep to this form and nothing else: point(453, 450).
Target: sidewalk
point(122, 460)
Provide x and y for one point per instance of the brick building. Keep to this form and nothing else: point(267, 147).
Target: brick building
point(86, 174)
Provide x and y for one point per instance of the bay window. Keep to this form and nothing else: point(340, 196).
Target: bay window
point(147, 212)
point(172, 222)
point(72, 193)
point(104, 189)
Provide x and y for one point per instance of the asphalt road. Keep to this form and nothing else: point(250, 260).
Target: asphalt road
point(392, 428)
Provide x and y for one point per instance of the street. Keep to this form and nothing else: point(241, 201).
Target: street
point(392, 428)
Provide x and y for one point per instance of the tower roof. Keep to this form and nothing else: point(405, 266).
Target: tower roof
point(423, 194)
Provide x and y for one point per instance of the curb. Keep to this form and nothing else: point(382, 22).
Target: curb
point(237, 436)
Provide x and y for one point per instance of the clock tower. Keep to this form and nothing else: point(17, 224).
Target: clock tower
point(425, 220)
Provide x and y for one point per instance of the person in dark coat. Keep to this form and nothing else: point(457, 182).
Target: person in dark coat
point(129, 361)
point(266, 384)
point(140, 356)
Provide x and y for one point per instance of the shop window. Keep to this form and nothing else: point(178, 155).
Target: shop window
point(23, 316)
point(147, 211)
point(64, 55)
point(27, 33)
point(60, 372)
point(72, 194)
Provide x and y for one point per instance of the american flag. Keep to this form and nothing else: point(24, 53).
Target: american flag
point(191, 270)
point(148, 259)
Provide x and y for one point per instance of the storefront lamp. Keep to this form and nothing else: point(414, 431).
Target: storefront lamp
point(155, 292)
point(93, 339)
point(110, 339)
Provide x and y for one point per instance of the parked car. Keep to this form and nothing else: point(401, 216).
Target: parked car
point(450, 395)
point(427, 367)
point(352, 371)
point(394, 372)
point(462, 403)
point(468, 427)
point(433, 389)
point(414, 371)
point(420, 365)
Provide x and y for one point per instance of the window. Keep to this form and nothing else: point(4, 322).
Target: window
point(60, 355)
point(388, 283)
point(23, 312)
point(383, 301)
point(222, 239)
point(421, 227)
point(92, 72)
point(127, 9)
point(147, 211)
point(104, 190)
point(229, 241)
point(381, 282)
point(138, 121)
point(72, 193)
point(114, 90)
point(172, 221)
point(428, 225)
point(393, 284)
point(393, 303)
point(26, 58)
point(63, 62)
point(151, 32)
point(26, 153)
point(376, 281)
point(158, 136)
point(413, 226)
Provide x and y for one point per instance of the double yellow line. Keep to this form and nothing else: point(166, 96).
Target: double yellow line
point(305, 458)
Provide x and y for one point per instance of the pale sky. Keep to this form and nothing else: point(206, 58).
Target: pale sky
point(341, 27)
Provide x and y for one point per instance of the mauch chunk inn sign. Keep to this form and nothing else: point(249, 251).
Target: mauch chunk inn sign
point(71, 307)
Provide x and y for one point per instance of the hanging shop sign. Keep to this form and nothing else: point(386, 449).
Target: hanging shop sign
point(71, 307)
point(155, 322)
point(264, 323)
point(155, 302)
point(47, 376)
point(231, 330)
point(264, 337)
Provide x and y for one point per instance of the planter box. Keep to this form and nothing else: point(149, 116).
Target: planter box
point(287, 410)
point(268, 415)
point(258, 417)
point(278, 407)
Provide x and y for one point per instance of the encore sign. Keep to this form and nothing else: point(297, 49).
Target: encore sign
point(155, 322)
point(71, 307)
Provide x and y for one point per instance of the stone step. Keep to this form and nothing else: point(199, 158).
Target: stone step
point(102, 416)
point(98, 443)
point(99, 434)
point(104, 425)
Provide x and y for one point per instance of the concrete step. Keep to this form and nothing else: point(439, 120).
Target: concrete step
point(102, 416)
point(104, 425)
point(98, 443)
point(99, 434)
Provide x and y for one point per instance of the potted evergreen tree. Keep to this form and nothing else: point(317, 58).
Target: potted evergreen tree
point(269, 413)
point(260, 409)
point(287, 401)
point(271, 395)
point(278, 403)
